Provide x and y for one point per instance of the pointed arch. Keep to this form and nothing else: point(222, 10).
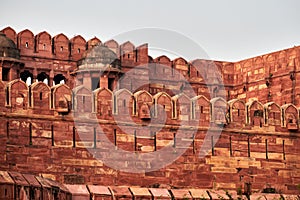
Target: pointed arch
point(290, 116)
point(272, 114)
point(181, 107)
point(201, 110)
point(179, 61)
point(78, 46)
point(61, 45)
point(61, 99)
point(10, 33)
point(43, 42)
point(127, 47)
point(237, 112)
point(163, 59)
point(103, 102)
point(255, 113)
point(26, 41)
point(93, 42)
point(123, 102)
point(143, 102)
point(82, 99)
point(165, 101)
point(17, 94)
point(40, 96)
point(219, 110)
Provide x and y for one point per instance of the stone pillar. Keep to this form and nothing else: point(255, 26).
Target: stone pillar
point(103, 81)
point(87, 81)
point(34, 75)
point(51, 76)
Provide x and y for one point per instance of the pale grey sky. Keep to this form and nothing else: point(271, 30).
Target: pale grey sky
point(229, 30)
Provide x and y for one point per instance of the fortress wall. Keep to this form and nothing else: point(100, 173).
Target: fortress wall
point(239, 158)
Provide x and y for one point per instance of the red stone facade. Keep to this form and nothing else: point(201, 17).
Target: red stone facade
point(55, 80)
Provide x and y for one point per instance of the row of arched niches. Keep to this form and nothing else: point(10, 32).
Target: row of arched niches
point(141, 106)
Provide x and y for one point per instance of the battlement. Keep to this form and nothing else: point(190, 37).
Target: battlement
point(60, 98)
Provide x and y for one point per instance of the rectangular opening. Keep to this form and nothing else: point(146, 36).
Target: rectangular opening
point(7, 129)
point(230, 146)
point(30, 134)
point(248, 141)
point(52, 135)
point(74, 137)
point(266, 144)
point(95, 138)
point(111, 83)
point(95, 83)
point(5, 74)
point(154, 137)
point(135, 142)
point(115, 137)
point(212, 146)
point(174, 140)
point(283, 149)
point(194, 147)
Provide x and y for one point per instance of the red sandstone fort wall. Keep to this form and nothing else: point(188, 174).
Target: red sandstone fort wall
point(259, 144)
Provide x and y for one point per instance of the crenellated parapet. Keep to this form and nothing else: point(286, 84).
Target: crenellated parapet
point(141, 106)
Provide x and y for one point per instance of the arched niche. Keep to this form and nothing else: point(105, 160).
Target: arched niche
point(82, 100)
point(290, 116)
point(272, 114)
point(219, 111)
point(40, 96)
point(123, 102)
point(103, 103)
point(17, 95)
point(255, 113)
point(201, 110)
point(61, 98)
point(237, 109)
point(182, 107)
point(144, 101)
point(163, 105)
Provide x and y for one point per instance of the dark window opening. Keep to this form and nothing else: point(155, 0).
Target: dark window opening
point(41, 96)
point(95, 83)
point(201, 109)
point(43, 77)
point(78, 50)
point(27, 77)
point(83, 100)
point(5, 74)
point(258, 113)
point(238, 112)
point(111, 83)
point(59, 79)
point(124, 102)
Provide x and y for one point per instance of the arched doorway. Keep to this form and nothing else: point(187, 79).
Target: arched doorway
point(59, 79)
point(43, 77)
point(27, 77)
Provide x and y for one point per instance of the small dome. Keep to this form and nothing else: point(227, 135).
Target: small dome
point(99, 57)
point(99, 54)
point(8, 48)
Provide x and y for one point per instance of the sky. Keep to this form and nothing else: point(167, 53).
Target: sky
point(230, 30)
